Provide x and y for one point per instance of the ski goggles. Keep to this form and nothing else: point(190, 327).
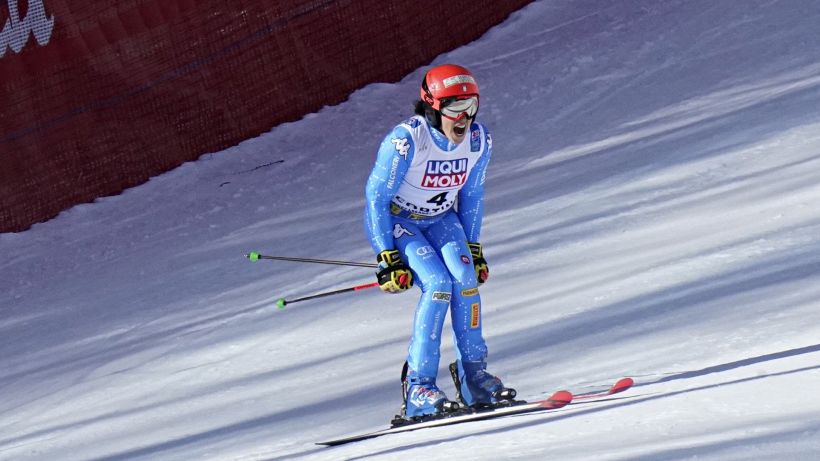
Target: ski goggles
point(456, 108)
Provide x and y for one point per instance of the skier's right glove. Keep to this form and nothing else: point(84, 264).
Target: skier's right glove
point(394, 275)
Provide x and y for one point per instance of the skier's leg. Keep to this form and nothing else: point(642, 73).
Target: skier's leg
point(422, 395)
point(476, 386)
point(447, 236)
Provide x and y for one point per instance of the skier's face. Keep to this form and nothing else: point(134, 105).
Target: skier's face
point(455, 130)
point(456, 115)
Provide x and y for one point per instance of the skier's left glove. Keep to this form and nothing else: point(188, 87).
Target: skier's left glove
point(482, 272)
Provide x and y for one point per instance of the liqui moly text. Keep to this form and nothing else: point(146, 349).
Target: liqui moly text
point(445, 174)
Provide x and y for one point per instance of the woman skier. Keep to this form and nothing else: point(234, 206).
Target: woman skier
point(423, 216)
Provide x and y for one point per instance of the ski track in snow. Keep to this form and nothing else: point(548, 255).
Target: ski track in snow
point(651, 210)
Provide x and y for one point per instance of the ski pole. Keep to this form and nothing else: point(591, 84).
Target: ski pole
point(254, 256)
point(281, 302)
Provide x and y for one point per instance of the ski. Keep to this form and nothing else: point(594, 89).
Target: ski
point(619, 386)
point(556, 400)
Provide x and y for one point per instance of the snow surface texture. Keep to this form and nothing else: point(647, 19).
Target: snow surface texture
point(653, 210)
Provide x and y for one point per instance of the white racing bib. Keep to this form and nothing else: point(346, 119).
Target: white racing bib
point(435, 176)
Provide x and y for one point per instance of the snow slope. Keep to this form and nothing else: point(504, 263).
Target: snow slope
point(652, 211)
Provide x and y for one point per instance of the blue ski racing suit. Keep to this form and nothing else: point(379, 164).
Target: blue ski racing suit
point(424, 198)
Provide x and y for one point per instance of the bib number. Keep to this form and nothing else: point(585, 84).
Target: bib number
point(439, 199)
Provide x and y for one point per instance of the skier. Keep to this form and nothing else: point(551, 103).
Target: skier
point(423, 217)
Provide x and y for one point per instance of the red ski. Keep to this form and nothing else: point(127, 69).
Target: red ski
point(620, 386)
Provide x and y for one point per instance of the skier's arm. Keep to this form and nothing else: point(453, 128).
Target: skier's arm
point(394, 159)
point(471, 196)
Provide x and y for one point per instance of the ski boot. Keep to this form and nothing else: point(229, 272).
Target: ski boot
point(477, 389)
point(423, 400)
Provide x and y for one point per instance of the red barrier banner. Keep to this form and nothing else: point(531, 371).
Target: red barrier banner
point(96, 97)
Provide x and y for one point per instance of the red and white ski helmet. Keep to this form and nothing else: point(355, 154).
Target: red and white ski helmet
point(446, 82)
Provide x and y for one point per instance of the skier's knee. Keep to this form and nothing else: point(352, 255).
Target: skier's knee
point(464, 277)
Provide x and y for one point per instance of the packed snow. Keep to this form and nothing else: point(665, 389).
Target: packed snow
point(652, 210)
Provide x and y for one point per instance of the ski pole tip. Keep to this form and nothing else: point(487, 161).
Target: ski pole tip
point(253, 256)
point(280, 303)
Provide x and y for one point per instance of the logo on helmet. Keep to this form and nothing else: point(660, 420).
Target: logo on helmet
point(458, 79)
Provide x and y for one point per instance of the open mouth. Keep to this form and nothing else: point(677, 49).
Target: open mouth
point(459, 129)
